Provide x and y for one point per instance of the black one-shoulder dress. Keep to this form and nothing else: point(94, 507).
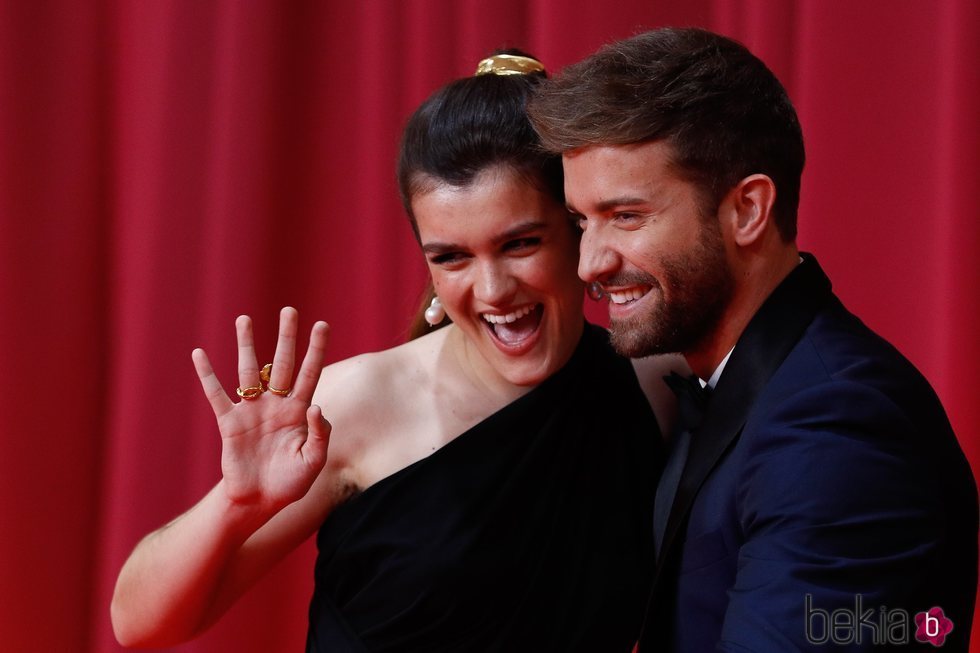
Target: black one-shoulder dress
point(529, 532)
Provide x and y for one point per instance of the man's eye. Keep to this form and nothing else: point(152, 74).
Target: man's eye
point(629, 220)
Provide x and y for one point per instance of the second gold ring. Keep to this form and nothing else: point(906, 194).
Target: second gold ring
point(265, 375)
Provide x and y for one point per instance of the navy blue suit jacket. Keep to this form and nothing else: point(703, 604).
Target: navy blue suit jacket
point(824, 496)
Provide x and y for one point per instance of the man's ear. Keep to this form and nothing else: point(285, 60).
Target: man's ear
point(749, 206)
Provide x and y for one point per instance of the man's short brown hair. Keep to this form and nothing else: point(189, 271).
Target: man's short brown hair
point(722, 111)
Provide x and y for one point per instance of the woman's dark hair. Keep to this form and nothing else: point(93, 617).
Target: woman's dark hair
point(465, 127)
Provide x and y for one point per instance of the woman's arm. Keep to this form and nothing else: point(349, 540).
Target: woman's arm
point(182, 577)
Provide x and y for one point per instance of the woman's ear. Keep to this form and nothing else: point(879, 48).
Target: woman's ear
point(749, 206)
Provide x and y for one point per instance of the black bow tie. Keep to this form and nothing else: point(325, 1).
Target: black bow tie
point(692, 399)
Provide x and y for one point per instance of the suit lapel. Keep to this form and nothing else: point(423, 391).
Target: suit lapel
point(767, 340)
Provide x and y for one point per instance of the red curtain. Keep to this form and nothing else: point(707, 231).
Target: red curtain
point(166, 166)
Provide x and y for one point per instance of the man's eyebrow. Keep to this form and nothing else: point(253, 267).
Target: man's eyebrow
point(610, 203)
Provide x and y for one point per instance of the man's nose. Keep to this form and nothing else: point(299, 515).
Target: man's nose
point(597, 259)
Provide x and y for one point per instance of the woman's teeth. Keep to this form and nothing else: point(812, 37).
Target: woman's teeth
point(509, 317)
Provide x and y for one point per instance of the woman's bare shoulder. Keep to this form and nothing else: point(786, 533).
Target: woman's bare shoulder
point(371, 398)
point(367, 382)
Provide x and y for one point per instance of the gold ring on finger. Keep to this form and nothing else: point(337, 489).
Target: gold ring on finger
point(250, 392)
point(265, 374)
point(279, 391)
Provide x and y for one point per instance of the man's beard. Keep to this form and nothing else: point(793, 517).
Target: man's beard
point(700, 286)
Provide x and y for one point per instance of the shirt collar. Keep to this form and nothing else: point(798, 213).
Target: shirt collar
point(713, 379)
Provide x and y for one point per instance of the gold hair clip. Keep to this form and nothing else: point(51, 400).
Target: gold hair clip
point(509, 64)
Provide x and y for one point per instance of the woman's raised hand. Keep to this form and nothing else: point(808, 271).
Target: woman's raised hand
point(274, 442)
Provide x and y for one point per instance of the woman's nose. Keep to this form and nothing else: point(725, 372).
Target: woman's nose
point(495, 285)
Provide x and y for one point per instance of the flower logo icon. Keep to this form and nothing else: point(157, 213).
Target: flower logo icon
point(932, 626)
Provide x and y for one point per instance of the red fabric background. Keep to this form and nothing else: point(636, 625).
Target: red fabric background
point(166, 166)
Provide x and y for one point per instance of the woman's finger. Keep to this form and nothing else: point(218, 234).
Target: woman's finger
point(248, 367)
point(309, 372)
point(318, 438)
point(283, 361)
point(220, 403)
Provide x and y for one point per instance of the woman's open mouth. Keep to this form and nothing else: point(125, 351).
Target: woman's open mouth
point(514, 332)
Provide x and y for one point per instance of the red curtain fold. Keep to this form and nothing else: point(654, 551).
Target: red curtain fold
point(166, 166)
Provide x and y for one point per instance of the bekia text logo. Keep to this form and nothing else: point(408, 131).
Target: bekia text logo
point(932, 626)
point(884, 626)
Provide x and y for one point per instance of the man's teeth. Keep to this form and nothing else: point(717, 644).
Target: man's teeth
point(624, 296)
point(509, 317)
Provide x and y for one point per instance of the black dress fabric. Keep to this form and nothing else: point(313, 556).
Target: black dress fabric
point(532, 531)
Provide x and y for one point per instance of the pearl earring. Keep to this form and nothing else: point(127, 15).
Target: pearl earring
point(435, 313)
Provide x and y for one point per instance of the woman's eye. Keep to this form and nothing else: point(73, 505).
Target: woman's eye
point(446, 259)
